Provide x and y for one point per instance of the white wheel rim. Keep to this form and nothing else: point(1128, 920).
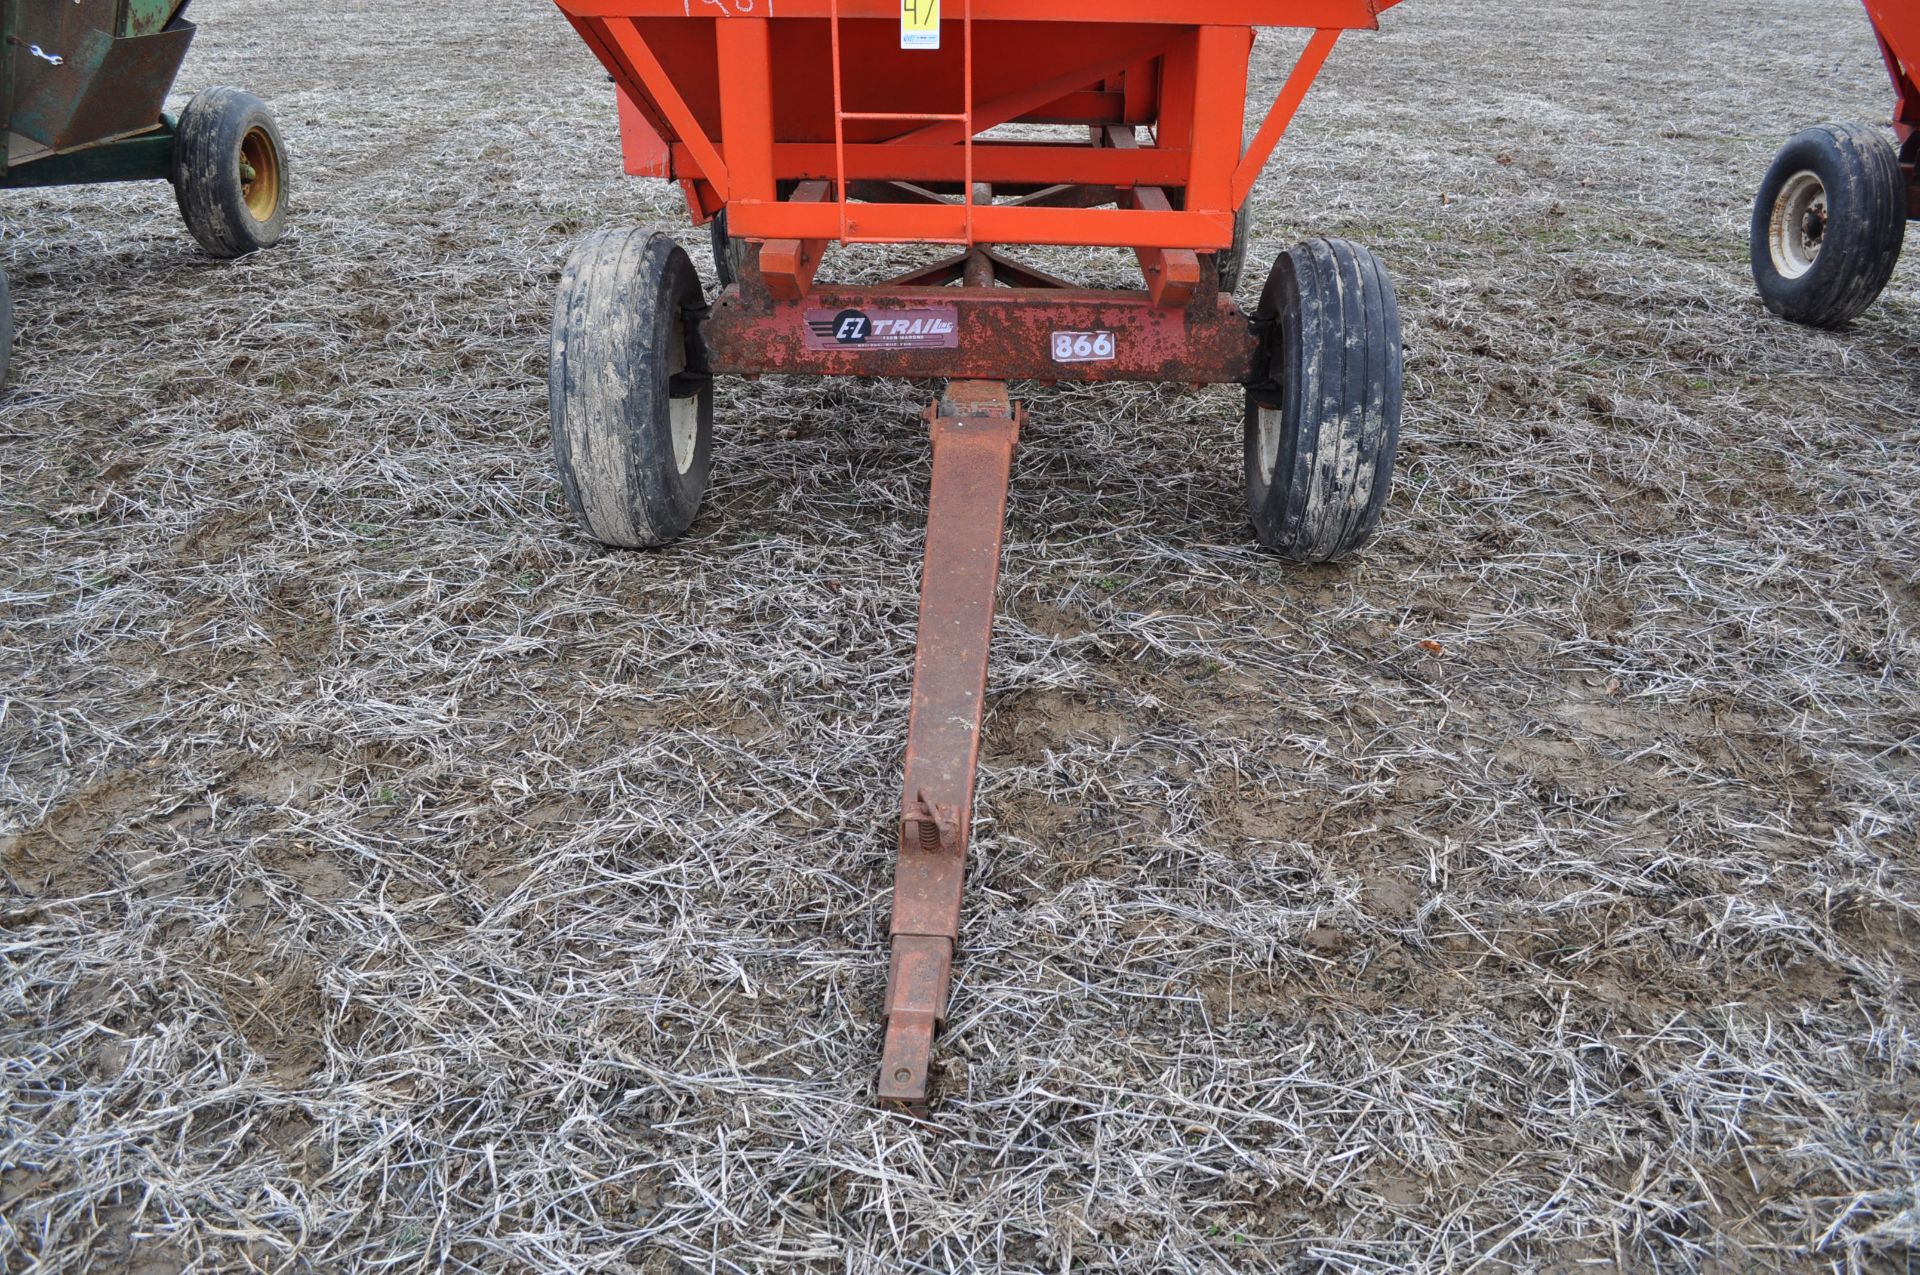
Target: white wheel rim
point(1271, 421)
point(1799, 225)
point(683, 414)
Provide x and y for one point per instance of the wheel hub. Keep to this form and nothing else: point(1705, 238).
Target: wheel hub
point(683, 414)
point(1798, 226)
point(259, 174)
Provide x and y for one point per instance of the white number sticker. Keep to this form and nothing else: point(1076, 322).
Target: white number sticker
point(1083, 347)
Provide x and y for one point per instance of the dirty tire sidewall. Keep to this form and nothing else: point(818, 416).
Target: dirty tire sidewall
point(207, 181)
point(1323, 409)
point(1866, 195)
point(610, 389)
point(1231, 262)
point(729, 254)
point(723, 250)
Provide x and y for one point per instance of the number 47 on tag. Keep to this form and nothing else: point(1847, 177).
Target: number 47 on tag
point(919, 24)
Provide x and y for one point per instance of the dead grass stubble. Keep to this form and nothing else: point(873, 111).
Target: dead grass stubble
point(393, 880)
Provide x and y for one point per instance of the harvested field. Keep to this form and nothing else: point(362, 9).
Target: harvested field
point(394, 880)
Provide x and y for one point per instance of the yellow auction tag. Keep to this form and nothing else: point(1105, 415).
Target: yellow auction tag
point(919, 24)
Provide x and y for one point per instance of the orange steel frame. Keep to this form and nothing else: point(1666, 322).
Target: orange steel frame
point(740, 100)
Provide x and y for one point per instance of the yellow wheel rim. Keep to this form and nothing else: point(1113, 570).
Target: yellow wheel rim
point(260, 174)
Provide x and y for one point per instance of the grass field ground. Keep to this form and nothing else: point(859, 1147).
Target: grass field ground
point(394, 880)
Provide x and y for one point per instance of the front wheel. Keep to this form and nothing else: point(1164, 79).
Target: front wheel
point(1323, 408)
point(230, 173)
point(628, 391)
point(1828, 224)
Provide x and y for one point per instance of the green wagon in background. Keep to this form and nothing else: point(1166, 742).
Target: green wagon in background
point(82, 83)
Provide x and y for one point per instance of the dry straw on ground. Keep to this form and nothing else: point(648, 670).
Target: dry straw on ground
point(393, 880)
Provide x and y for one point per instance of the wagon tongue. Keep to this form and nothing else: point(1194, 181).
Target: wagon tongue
point(974, 428)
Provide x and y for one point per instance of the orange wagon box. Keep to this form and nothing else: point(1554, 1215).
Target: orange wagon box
point(795, 125)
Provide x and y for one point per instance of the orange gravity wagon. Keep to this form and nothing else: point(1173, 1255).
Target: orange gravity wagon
point(795, 125)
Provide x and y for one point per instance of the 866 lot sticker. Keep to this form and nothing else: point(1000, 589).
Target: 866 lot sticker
point(1084, 347)
point(934, 327)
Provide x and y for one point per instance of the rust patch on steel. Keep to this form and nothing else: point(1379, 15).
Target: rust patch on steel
point(999, 334)
point(974, 430)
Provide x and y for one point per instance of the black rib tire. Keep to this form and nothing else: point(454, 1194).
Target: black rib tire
point(727, 251)
point(628, 391)
point(1323, 413)
point(1232, 262)
point(224, 135)
point(1828, 224)
point(6, 327)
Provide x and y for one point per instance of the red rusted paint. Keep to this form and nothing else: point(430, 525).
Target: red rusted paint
point(1004, 333)
point(974, 430)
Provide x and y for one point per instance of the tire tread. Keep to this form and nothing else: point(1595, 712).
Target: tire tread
point(1335, 372)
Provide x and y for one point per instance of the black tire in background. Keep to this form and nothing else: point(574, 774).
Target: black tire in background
point(628, 391)
point(1231, 263)
point(230, 173)
point(1828, 224)
point(1323, 408)
point(727, 251)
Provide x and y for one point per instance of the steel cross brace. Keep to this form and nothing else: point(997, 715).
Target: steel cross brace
point(974, 429)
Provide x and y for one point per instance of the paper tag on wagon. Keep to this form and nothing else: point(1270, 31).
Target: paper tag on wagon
point(935, 327)
point(919, 24)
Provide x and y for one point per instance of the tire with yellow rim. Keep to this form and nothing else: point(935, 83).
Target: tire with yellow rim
point(230, 172)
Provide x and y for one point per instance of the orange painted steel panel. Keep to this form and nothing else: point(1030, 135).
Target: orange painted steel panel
point(1351, 14)
point(993, 223)
point(748, 100)
point(661, 89)
point(746, 106)
point(1220, 100)
point(645, 152)
point(1897, 23)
